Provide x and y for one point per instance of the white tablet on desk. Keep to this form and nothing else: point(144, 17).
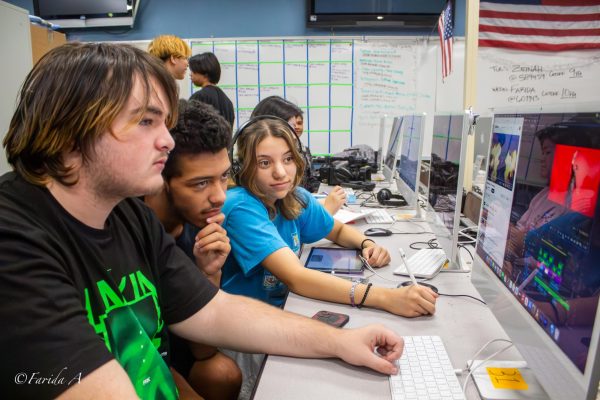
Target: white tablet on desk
point(335, 260)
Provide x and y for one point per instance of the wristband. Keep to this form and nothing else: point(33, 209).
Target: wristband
point(362, 244)
point(352, 289)
point(362, 302)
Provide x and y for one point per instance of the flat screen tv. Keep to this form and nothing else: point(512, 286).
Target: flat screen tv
point(407, 14)
point(87, 13)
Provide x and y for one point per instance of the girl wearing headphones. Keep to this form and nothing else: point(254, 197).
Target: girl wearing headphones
point(288, 111)
point(268, 217)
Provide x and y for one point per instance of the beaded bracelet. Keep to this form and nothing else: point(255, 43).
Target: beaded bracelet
point(362, 244)
point(352, 289)
point(362, 302)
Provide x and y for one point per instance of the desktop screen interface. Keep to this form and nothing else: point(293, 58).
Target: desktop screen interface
point(540, 223)
point(393, 144)
point(411, 146)
point(444, 166)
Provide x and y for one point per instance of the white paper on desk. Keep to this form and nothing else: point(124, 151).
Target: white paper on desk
point(346, 216)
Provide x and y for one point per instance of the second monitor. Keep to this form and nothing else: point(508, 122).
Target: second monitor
point(448, 152)
point(409, 164)
point(391, 155)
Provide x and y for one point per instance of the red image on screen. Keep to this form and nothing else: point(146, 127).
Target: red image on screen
point(575, 178)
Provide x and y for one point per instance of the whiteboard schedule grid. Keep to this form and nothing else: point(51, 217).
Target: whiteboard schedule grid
point(343, 85)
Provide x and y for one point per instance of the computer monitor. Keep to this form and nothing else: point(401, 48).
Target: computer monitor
point(409, 165)
point(448, 152)
point(538, 248)
point(391, 155)
point(379, 159)
point(483, 133)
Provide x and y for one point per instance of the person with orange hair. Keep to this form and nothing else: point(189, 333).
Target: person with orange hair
point(173, 52)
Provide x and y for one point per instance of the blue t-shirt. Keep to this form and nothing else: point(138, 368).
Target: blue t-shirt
point(254, 237)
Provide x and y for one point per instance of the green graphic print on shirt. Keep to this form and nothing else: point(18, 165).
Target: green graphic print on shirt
point(130, 322)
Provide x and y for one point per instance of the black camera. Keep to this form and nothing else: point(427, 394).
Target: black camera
point(341, 171)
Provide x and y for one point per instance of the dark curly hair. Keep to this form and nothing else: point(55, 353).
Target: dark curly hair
point(199, 129)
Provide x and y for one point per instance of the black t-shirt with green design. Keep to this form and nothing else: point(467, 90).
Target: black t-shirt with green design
point(73, 297)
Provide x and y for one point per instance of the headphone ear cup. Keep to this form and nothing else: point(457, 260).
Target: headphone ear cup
point(383, 195)
point(235, 171)
point(387, 198)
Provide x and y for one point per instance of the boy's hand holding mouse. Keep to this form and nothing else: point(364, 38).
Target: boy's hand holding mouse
point(212, 248)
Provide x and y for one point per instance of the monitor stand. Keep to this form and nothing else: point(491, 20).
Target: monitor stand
point(506, 380)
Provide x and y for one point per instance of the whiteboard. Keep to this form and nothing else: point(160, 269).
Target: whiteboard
point(343, 85)
point(520, 80)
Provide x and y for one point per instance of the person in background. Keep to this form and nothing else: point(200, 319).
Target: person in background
point(90, 283)
point(189, 207)
point(206, 73)
point(173, 52)
point(541, 209)
point(580, 196)
point(288, 111)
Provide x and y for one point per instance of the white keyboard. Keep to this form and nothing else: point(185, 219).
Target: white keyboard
point(425, 263)
point(425, 372)
point(379, 216)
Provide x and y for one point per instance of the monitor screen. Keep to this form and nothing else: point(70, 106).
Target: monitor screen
point(87, 13)
point(448, 149)
point(409, 165)
point(376, 7)
point(380, 13)
point(66, 8)
point(539, 230)
point(444, 169)
point(394, 144)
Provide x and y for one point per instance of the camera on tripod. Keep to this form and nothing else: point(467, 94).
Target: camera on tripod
point(339, 170)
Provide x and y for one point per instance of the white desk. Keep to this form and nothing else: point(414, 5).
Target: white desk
point(464, 324)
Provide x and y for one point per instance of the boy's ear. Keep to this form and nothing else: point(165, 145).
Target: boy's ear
point(173, 59)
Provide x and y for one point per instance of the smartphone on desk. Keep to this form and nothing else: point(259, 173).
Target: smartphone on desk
point(332, 318)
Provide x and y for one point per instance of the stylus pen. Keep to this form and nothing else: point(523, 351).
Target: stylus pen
point(410, 274)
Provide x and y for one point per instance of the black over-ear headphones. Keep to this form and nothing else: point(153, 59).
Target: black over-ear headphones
point(235, 164)
point(386, 198)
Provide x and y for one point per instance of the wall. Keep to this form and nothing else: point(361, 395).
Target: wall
point(16, 44)
point(268, 18)
point(227, 18)
point(43, 40)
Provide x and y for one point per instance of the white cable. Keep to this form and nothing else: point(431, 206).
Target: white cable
point(366, 263)
point(465, 235)
point(464, 388)
point(486, 345)
point(469, 228)
point(462, 233)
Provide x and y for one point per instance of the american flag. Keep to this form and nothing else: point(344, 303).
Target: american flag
point(540, 25)
point(446, 38)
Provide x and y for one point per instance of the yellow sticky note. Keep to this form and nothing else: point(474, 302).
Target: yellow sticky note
point(507, 378)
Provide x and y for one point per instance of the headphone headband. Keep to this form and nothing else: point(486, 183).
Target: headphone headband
point(235, 166)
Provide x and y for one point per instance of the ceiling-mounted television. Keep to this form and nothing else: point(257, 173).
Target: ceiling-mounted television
point(394, 14)
point(74, 14)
